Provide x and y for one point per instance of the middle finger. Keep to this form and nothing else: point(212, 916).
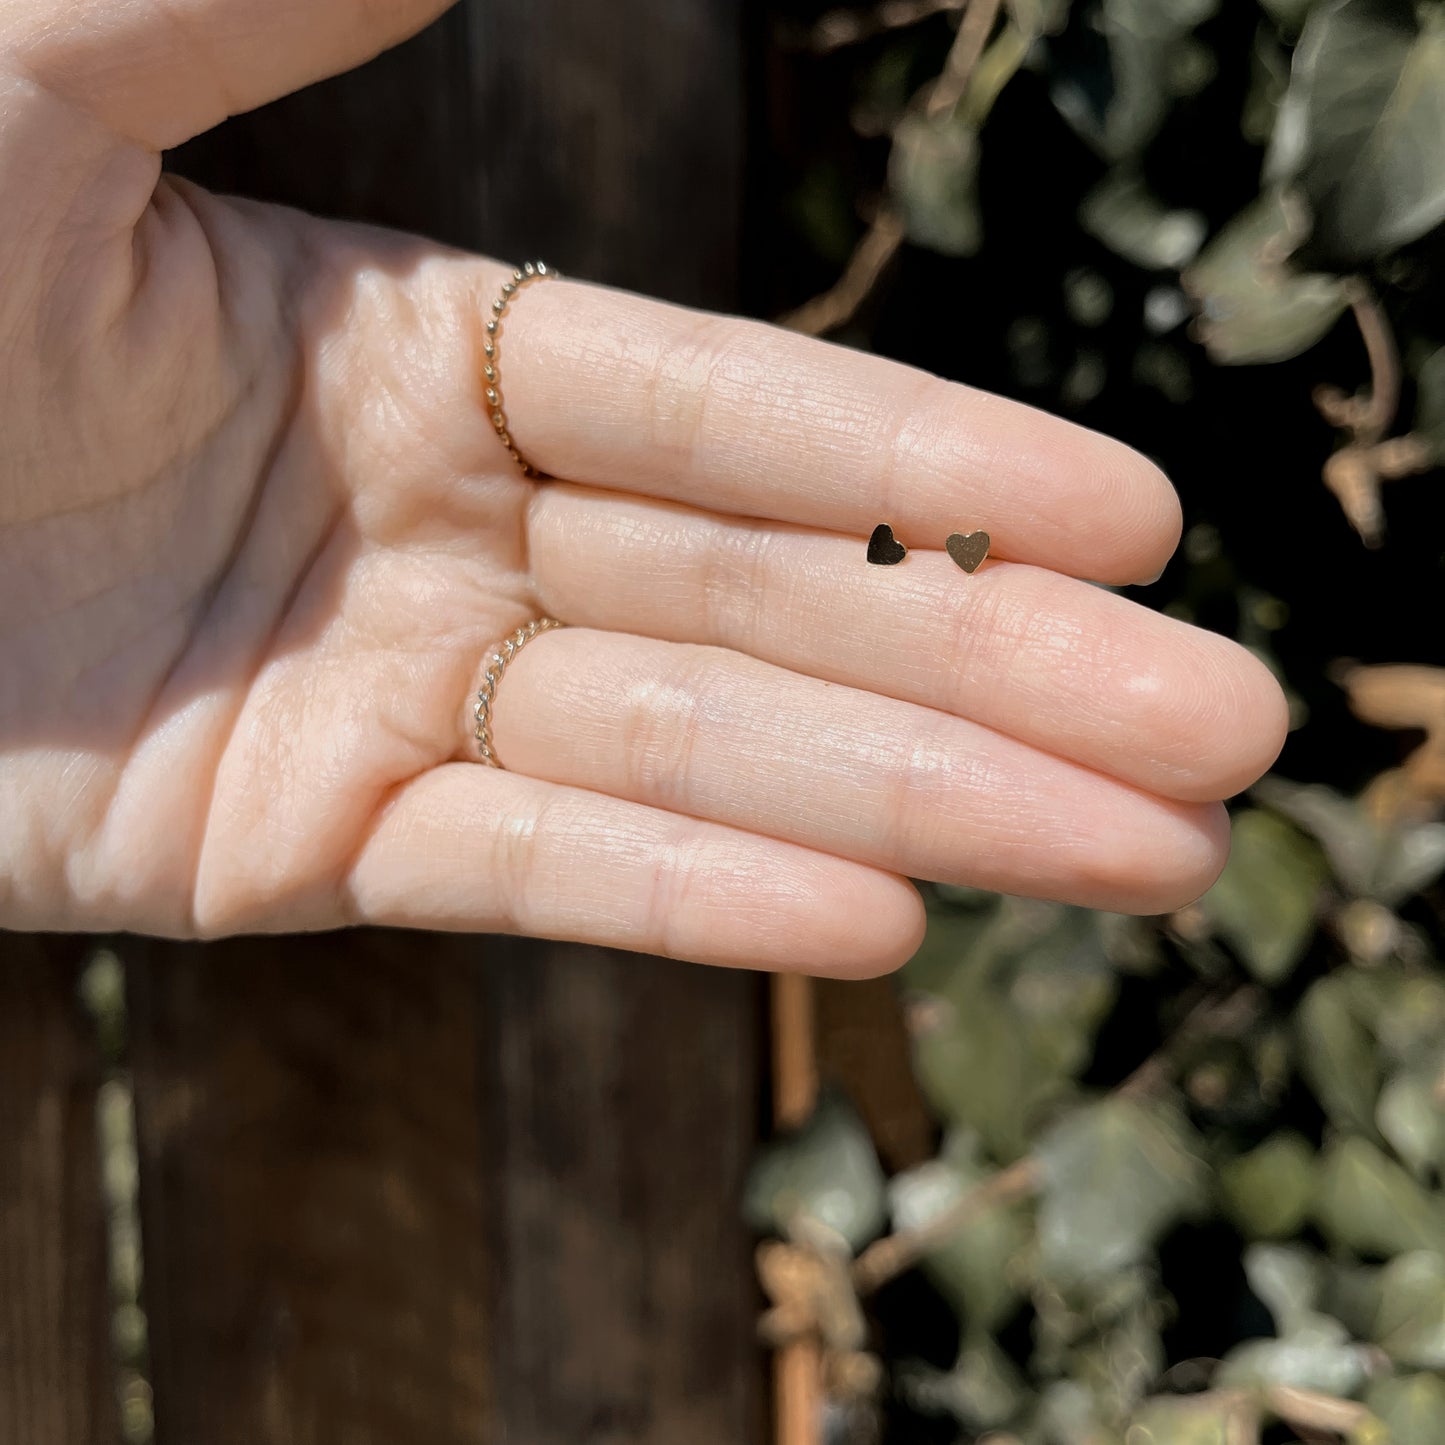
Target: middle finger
point(1063, 665)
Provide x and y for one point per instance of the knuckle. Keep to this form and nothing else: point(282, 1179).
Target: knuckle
point(673, 895)
point(913, 776)
point(926, 410)
point(664, 722)
point(513, 860)
point(734, 579)
point(695, 375)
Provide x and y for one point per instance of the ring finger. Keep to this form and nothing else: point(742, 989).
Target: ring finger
point(716, 734)
point(1065, 666)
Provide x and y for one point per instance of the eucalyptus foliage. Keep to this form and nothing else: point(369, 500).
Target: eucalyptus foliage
point(1232, 1120)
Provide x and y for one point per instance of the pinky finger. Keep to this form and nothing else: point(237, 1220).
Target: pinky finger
point(466, 847)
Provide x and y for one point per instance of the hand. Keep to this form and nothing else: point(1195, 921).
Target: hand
point(258, 537)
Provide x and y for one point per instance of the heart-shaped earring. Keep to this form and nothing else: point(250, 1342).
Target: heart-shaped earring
point(968, 549)
point(883, 549)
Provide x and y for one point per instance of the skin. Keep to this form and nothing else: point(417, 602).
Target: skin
point(258, 537)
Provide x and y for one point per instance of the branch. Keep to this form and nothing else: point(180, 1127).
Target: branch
point(1354, 473)
point(798, 1362)
point(1311, 1410)
point(1384, 399)
point(890, 1256)
point(938, 99)
point(948, 89)
point(840, 28)
point(1212, 1018)
point(838, 305)
point(887, 1258)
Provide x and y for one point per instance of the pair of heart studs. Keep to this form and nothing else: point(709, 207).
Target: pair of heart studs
point(968, 549)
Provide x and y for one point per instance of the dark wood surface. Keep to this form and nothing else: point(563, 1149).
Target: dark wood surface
point(609, 138)
point(311, 1185)
point(400, 1189)
point(56, 1383)
point(620, 1117)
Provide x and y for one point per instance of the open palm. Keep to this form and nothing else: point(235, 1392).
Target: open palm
point(258, 538)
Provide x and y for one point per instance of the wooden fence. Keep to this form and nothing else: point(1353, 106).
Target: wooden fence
point(407, 1188)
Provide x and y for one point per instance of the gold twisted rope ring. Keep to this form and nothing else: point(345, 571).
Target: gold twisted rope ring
point(491, 367)
point(492, 378)
point(506, 651)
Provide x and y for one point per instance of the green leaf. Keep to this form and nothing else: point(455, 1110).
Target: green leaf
point(972, 1065)
point(950, 943)
point(1265, 901)
point(1145, 40)
point(1412, 1408)
point(1373, 860)
point(1067, 1415)
point(1005, 1013)
point(1061, 990)
point(1268, 80)
point(1122, 213)
point(1369, 1204)
point(1337, 1050)
point(1269, 1192)
point(933, 171)
point(1289, 1280)
point(1289, 15)
point(828, 1172)
point(972, 1269)
point(1361, 129)
point(1033, 18)
point(1410, 1319)
point(1123, 1360)
point(1411, 1117)
point(1252, 306)
point(1115, 1176)
point(1409, 1014)
point(1352, 1296)
point(1318, 1355)
point(982, 1391)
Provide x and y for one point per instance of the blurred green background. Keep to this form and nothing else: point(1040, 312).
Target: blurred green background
point(1213, 229)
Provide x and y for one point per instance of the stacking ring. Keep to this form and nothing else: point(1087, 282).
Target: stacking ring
point(486, 695)
point(491, 367)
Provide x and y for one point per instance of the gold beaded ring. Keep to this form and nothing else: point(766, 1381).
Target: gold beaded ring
point(482, 710)
point(522, 276)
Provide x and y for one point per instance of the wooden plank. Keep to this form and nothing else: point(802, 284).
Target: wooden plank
point(864, 1050)
point(622, 1093)
point(619, 1094)
point(387, 143)
point(310, 1189)
point(307, 1108)
point(610, 140)
point(620, 1120)
point(56, 1382)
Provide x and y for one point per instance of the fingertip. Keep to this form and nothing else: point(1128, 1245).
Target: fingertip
point(1154, 856)
point(870, 923)
point(1186, 857)
point(1074, 499)
point(1148, 515)
point(1214, 709)
point(1261, 716)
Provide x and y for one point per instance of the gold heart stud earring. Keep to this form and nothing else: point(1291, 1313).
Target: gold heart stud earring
point(883, 549)
point(968, 549)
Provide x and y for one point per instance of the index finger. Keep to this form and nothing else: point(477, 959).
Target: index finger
point(742, 417)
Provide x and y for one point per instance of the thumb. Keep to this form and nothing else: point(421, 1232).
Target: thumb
point(157, 72)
